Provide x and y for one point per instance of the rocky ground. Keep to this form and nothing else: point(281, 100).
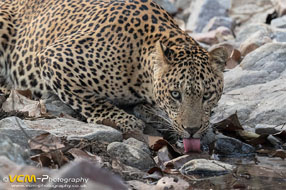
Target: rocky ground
point(247, 150)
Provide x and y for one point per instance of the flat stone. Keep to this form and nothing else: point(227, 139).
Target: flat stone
point(130, 155)
point(206, 168)
point(11, 127)
point(74, 129)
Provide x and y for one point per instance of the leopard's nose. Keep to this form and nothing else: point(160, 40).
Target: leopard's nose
point(192, 130)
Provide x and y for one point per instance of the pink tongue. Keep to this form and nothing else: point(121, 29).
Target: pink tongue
point(192, 145)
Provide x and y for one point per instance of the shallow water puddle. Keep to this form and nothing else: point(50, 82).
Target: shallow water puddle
point(261, 173)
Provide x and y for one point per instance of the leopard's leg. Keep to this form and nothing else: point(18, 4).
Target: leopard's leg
point(76, 91)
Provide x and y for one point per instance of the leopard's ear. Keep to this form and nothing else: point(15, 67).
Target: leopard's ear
point(218, 58)
point(161, 61)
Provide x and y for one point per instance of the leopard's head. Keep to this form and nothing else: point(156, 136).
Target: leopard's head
point(188, 83)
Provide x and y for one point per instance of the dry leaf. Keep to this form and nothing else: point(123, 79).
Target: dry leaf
point(26, 93)
point(18, 102)
point(46, 142)
point(54, 159)
point(80, 154)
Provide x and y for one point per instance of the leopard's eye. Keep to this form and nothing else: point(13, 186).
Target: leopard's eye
point(176, 95)
point(207, 96)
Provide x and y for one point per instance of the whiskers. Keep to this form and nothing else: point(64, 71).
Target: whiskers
point(165, 121)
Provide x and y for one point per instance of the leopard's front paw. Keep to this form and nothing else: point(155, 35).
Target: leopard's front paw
point(130, 124)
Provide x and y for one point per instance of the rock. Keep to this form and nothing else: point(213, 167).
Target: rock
point(216, 22)
point(249, 12)
point(279, 22)
point(13, 151)
point(56, 107)
point(269, 129)
point(10, 127)
point(280, 7)
point(75, 129)
point(249, 30)
point(206, 168)
point(262, 30)
point(203, 11)
point(168, 5)
point(172, 183)
point(221, 34)
point(256, 88)
point(230, 147)
point(254, 41)
point(268, 60)
point(138, 144)
point(130, 155)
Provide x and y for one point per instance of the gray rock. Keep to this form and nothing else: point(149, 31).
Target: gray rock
point(130, 155)
point(256, 88)
point(13, 151)
point(269, 129)
point(254, 41)
point(218, 21)
point(279, 35)
point(56, 107)
point(276, 34)
point(11, 128)
point(138, 144)
point(75, 129)
point(168, 5)
point(230, 147)
point(264, 64)
point(250, 12)
point(203, 11)
point(279, 22)
point(249, 30)
point(206, 168)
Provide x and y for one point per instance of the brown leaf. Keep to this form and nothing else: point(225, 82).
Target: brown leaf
point(46, 142)
point(234, 59)
point(54, 159)
point(80, 154)
point(152, 140)
point(18, 102)
point(279, 153)
point(229, 124)
point(273, 153)
point(158, 144)
point(26, 93)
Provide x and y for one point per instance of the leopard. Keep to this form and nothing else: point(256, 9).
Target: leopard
point(97, 55)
